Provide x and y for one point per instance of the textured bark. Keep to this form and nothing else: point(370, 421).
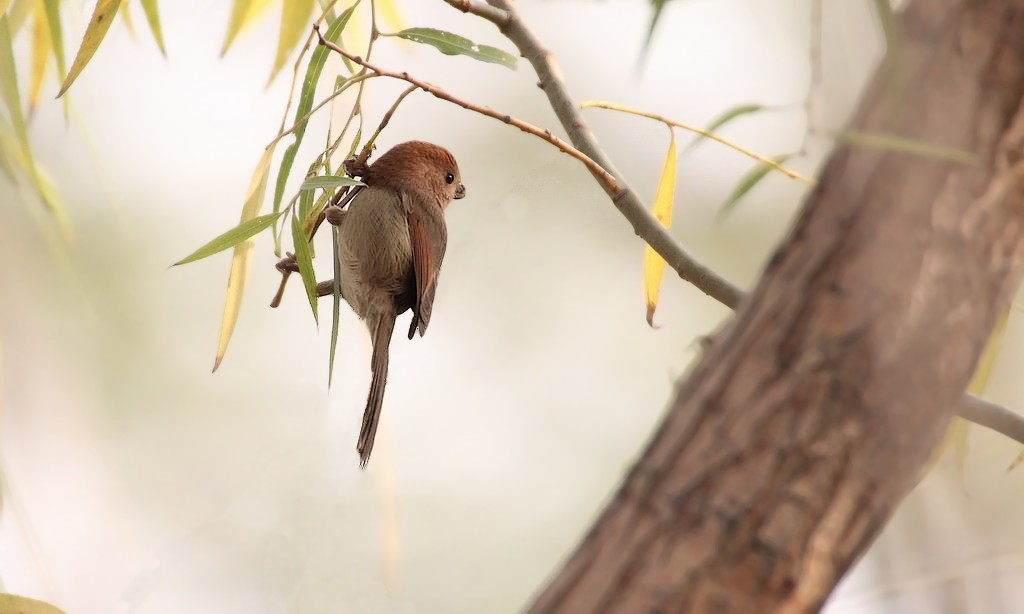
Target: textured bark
point(813, 412)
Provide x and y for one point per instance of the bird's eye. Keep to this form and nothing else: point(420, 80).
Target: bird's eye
point(449, 178)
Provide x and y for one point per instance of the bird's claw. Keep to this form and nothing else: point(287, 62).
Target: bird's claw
point(287, 264)
point(335, 215)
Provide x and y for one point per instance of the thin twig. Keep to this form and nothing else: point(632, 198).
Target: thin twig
point(606, 178)
point(502, 14)
point(596, 104)
point(364, 155)
point(298, 64)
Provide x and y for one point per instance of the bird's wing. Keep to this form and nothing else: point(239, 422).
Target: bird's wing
point(428, 237)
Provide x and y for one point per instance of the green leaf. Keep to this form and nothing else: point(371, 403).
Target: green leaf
point(153, 18)
point(724, 118)
point(304, 258)
point(453, 44)
point(748, 182)
point(52, 8)
point(891, 142)
point(313, 70)
point(232, 237)
point(100, 22)
point(294, 23)
point(323, 182)
point(306, 203)
point(336, 315)
point(657, 6)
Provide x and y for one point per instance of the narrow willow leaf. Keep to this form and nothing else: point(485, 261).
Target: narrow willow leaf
point(149, 7)
point(336, 315)
point(99, 23)
point(725, 118)
point(12, 98)
point(126, 15)
point(304, 258)
point(654, 264)
point(242, 257)
point(306, 203)
point(313, 214)
point(453, 44)
point(232, 237)
point(309, 82)
point(748, 182)
point(9, 89)
point(891, 142)
point(18, 14)
point(15, 604)
point(322, 182)
point(6, 154)
point(52, 8)
point(243, 14)
point(41, 49)
point(295, 22)
point(657, 6)
point(239, 12)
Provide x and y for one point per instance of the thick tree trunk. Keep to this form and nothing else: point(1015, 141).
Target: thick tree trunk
point(813, 412)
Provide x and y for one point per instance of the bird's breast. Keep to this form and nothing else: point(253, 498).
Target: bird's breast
point(376, 253)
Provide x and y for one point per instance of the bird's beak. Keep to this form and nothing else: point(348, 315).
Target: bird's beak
point(460, 192)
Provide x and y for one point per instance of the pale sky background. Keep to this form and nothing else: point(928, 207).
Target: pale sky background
point(136, 481)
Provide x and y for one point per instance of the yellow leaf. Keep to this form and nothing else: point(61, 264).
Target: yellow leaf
point(243, 14)
point(56, 32)
point(12, 98)
point(18, 13)
point(654, 265)
point(392, 17)
point(4, 4)
point(41, 48)
point(99, 23)
point(126, 15)
point(243, 255)
point(13, 604)
point(295, 21)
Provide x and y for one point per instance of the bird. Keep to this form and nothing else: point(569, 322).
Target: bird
point(391, 241)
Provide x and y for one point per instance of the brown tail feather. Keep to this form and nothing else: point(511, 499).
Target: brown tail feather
point(379, 365)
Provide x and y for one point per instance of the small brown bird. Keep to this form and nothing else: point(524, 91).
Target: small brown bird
point(392, 239)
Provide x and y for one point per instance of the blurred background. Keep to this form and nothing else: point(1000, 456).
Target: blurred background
point(136, 481)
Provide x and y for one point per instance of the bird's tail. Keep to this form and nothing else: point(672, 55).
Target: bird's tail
point(382, 329)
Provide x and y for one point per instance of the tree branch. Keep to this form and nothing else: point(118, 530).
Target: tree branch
point(604, 177)
point(495, 15)
point(973, 409)
point(811, 414)
point(502, 14)
point(990, 415)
